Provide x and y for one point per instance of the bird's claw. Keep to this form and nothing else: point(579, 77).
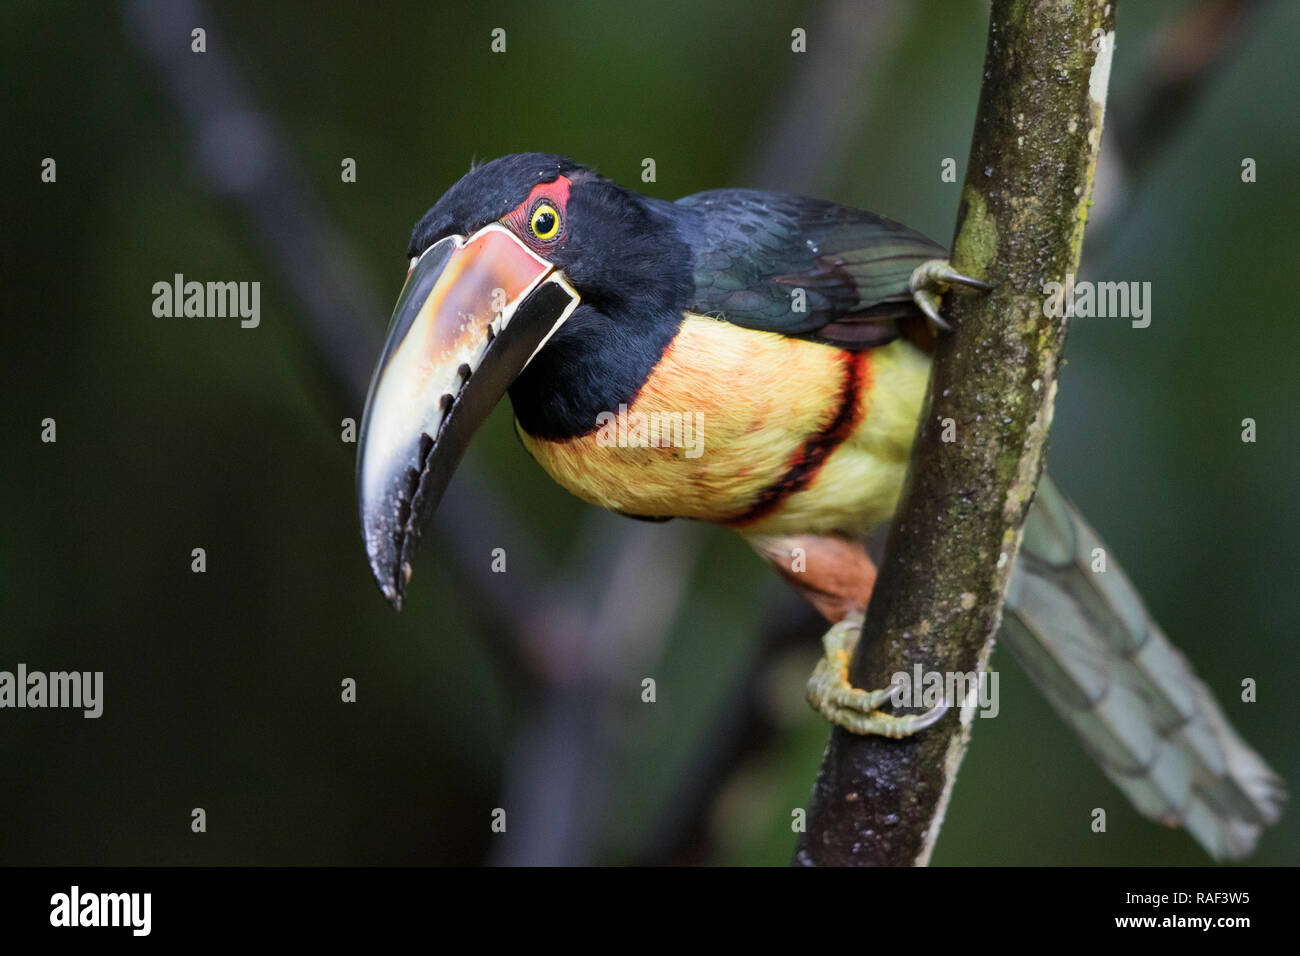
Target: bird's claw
point(832, 696)
point(930, 280)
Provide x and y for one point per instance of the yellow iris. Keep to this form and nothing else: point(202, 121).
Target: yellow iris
point(544, 222)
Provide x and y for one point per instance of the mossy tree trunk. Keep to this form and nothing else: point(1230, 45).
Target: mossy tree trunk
point(938, 600)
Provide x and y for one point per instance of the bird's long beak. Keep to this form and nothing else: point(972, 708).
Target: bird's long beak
point(472, 314)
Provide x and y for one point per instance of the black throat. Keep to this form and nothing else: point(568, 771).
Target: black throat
point(594, 363)
point(629, 259)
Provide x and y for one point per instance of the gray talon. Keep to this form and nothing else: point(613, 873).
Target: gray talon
point(930, 280)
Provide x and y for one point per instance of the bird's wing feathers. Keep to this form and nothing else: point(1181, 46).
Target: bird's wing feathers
point(753, 249)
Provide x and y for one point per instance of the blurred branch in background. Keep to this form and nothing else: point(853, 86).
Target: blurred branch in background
point(742, 727)
point(556, 654)
point(804, 139)
point(938, 599)
point(1180, 67)
point(245, 158)
point(798, 150)
point(552, 645)
point(556, 787)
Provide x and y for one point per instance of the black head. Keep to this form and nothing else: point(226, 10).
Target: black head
point(614, 246)
point(488, 192)
point(528, 257)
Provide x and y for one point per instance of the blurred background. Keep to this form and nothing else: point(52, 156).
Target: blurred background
point(522, 690)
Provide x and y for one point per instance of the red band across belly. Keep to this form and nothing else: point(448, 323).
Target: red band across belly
point(805, 463)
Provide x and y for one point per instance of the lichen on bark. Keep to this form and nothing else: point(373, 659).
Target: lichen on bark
point(938, 598)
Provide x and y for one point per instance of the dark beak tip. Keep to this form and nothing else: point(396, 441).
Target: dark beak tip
point(401, 476)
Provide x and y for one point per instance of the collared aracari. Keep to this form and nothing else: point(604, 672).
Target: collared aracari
point(798, 332)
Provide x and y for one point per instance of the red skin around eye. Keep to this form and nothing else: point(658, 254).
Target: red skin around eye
point(517, 219)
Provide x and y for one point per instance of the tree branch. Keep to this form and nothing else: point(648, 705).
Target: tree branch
point(938, 600)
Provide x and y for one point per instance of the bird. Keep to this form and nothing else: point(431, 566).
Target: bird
point(759, 360)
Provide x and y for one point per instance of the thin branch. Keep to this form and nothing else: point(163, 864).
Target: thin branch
point(938, 599)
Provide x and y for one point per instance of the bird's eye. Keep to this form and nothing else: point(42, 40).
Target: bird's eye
point(544, 222)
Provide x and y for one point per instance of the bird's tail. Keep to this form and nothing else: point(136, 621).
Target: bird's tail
point(1092, 648)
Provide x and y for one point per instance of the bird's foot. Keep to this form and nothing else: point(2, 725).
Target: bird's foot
point(832, 696)
point(930, 280)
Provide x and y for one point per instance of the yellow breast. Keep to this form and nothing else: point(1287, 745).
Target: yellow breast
point(759, 431)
